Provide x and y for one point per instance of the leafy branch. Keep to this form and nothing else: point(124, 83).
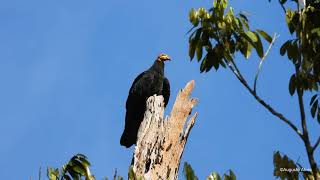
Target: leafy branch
point(229, 34)
point(75, 169)
point(222, 34)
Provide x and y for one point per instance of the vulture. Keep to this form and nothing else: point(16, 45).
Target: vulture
point(148, 83)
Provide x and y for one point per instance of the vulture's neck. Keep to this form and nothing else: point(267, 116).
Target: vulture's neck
point(158, 66)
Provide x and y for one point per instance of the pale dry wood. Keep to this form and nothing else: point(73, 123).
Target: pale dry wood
point(161, 142)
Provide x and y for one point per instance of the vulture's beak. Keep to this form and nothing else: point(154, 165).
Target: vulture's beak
point(165, 57)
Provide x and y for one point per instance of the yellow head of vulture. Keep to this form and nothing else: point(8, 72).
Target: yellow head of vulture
point(163, 57)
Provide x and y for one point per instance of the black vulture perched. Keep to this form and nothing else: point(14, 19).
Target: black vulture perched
point(148, 83)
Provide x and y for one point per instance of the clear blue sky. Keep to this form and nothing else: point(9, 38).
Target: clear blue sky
point(65, 71)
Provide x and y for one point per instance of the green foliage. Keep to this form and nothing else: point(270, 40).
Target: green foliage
point(285, 168)
point(221, 34)
point(189, 172)
point(131, 174)
point(227, 176)
point(53, 173)
point(76, 169)
point(304, 49)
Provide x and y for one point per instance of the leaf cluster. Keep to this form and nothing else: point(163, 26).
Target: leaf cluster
point(221, 34)
point(76, 169)
point(189, 174)
point(304, 50)
point(285, 168)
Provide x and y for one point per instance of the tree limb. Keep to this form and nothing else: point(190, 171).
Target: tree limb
point(233, 67)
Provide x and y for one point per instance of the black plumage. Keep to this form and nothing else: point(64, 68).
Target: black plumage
point(148, 83)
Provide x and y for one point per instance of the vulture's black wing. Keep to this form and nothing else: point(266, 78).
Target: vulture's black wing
point(135, 108)
point(166, 91)
point(135, 89)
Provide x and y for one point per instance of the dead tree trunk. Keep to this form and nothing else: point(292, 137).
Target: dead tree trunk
point(161, 142)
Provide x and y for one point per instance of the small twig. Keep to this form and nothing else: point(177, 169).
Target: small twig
point(275, 36)
point(316, 144)
point(233, 67)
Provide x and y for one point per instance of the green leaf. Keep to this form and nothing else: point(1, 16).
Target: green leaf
point(243, 16)
point(188, 172)
point(192, 48)
point(265, 35)
point(212, 60)
point(252, 36)
point(284, 47)
point(215, 54)
point(248, 48)
point(232, 175)
point(284, 162)
point(193, 17)
point(276, 159)
point(202, 13)
point(131, 174)
point(293, 51)
point(84, 160)
point(244, 20)
point(314, 108)
point(227, 56)
point(259, 46)
point(313, 98)
point(81, 156)
point(53, 174)
point(193, 42)
point(198, 35)
point(224, 4)
point(215, 3)
point(291, 18)
point(203, 65)
point(214, 176)
point(199, 49)
point(80, 170)
point(292, 84)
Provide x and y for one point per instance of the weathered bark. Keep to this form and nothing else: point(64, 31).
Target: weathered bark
point(161, 142)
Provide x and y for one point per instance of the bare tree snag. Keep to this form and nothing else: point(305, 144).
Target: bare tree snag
point(161, 142)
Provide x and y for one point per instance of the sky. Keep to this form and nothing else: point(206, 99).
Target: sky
point(66, 68)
